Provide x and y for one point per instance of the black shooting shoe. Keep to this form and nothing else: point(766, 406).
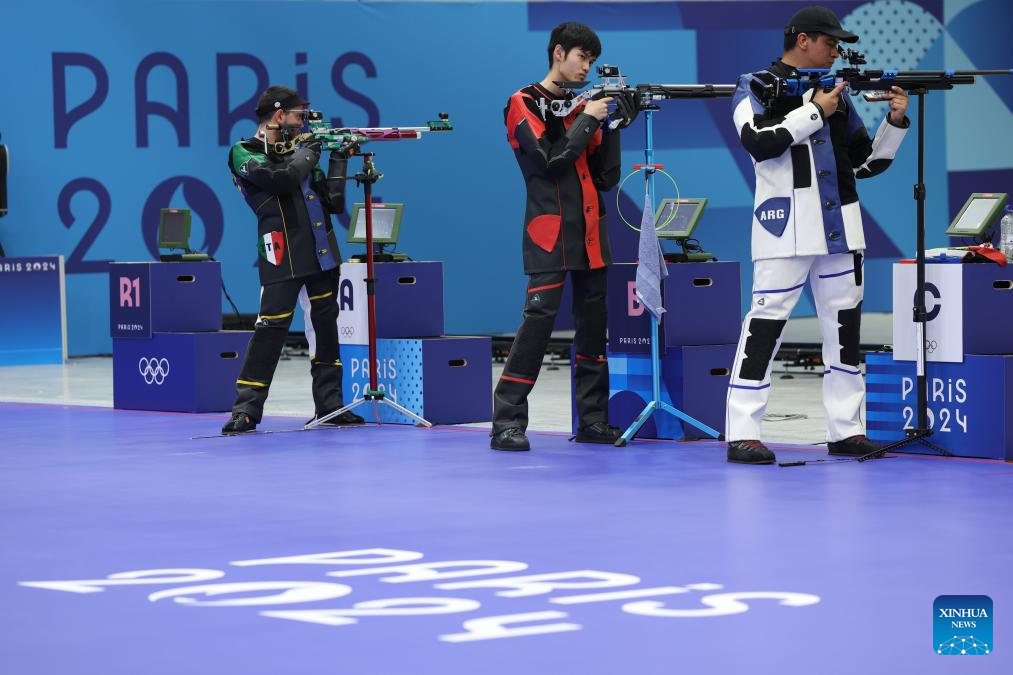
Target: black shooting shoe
point(512, 439)
point(345, 419)
point(599, 432)
point(854, 446)
point(240, 423)
point(749, 452)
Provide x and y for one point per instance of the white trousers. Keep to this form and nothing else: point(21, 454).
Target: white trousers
point(777, 285)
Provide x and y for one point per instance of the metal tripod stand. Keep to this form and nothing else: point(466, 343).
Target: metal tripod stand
point(921, 432)
point(373, 394)
point(656, 404)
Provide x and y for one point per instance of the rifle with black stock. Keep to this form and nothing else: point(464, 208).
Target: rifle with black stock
point(631, 99)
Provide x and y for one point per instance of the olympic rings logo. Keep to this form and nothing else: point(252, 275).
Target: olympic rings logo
point(347, 331)
point(931, 346)
point(153, 370)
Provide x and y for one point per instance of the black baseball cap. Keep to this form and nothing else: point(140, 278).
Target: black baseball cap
point(818, 20)
point(278, 97)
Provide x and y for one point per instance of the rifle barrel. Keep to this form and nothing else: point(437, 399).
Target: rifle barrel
point(945, 73)
point(909, 81)
point(687, 90)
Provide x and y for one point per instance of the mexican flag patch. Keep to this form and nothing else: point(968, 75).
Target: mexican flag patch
point(272, 247)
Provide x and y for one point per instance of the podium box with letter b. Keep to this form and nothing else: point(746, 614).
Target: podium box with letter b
point(698, 333)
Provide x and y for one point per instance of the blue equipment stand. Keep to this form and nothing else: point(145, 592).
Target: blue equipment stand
point(656, 404)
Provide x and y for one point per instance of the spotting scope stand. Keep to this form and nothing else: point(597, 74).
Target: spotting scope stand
point(374, 395)
point(920, 433)
point(656, 404)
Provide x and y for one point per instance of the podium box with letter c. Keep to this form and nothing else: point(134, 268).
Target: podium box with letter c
point(969, 403)
point(969, 355)
point(970, 311)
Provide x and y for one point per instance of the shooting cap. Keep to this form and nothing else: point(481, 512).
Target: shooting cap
point(818, 20)
point(278, 97)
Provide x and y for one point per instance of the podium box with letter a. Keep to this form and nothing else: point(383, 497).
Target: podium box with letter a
point(409, 301)
point(446, 380)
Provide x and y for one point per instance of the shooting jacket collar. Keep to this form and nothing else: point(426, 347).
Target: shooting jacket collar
point(782, 69)
point(549, 95)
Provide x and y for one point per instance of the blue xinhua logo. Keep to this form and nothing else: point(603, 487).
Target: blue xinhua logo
point(962, 625)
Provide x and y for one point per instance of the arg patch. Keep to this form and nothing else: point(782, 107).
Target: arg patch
point(272, 247)
point(773, 214)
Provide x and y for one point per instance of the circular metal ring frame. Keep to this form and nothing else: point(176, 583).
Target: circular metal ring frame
point(663, 225)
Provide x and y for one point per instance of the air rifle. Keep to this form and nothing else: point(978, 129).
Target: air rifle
point(347, 139)
point(613, 84)
point(870, 80)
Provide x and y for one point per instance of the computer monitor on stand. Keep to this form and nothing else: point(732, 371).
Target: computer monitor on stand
point(676, 219)
point(386, 229)
point(174, 233)
point(978, 216)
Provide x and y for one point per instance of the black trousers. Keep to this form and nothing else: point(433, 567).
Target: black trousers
point(277, 304)
point(591, 376)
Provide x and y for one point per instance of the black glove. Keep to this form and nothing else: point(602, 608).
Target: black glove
point(627, 108)
point(345, 151)
point(337, 165)
point(313, 146)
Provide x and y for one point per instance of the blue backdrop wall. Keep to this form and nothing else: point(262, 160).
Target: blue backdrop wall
point(114, 110)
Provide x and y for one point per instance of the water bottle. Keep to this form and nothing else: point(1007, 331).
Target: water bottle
point(1006, 234)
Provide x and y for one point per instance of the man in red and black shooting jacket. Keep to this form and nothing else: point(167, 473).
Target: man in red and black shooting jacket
point(566, 162)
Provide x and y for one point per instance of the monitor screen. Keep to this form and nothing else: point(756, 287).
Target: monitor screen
point(386, 223)
point(174, 228)
point(973, 219)
point(978, 215)
point(677, 218)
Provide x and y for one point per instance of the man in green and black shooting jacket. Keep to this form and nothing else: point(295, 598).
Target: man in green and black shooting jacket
point(293, 201)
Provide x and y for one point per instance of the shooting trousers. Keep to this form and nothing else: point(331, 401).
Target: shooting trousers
point(591, 374)
point(837, 287)
point(277, 305)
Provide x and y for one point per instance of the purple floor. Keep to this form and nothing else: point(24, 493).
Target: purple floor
point(676, 562)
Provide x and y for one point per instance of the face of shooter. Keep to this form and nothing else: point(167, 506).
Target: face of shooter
point(817, 52)
point(296, 117)
point(573, 65)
